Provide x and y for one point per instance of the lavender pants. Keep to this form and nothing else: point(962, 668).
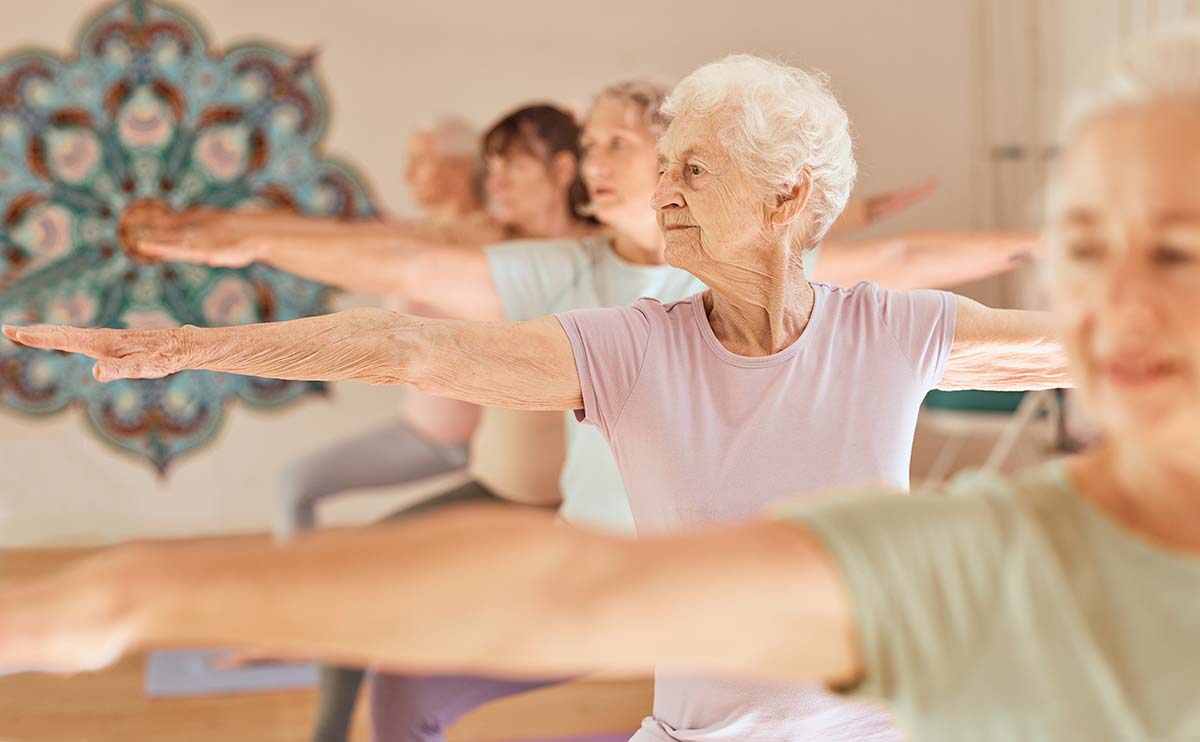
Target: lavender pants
point(412, 708)
point(406, 708)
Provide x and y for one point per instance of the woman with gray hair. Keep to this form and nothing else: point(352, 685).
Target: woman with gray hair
point(763, 386)
point(524, 280)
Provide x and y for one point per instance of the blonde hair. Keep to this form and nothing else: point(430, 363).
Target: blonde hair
point(643, 97)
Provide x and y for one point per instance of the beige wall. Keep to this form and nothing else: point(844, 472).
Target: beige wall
point(903, 69)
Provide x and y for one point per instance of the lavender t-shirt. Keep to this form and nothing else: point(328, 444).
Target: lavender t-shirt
point(702, 435)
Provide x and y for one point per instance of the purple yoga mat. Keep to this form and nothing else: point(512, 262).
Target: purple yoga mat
point(192, 673)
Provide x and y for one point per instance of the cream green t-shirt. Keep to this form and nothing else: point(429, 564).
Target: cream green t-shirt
point(1016, 611)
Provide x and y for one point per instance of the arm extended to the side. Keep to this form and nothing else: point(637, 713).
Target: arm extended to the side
point(520, 365)
point(480, 589)
point(437, 265)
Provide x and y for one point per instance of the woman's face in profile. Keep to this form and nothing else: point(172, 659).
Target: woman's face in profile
point(1125, 235)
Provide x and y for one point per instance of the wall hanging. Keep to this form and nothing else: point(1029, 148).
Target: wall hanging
point(145, 113)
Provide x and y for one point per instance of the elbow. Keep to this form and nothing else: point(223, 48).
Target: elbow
point(396, 349)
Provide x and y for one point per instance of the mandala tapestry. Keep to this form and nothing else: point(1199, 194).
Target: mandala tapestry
point(146, 114)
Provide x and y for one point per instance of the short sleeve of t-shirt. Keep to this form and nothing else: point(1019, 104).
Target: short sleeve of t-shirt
point(922, 324)
point(531, 275)
point(922, 572)
point(609, 346)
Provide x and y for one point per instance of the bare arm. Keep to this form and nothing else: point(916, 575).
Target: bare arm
point(521, 365)
point(439, 266)
point(927, 259)
point(478, 589)
point(863, 211)
point(1004, 350)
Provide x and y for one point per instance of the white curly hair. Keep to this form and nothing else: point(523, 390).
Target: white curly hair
point(776, 122)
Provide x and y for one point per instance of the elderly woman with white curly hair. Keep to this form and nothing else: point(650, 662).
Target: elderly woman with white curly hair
point(765, 386)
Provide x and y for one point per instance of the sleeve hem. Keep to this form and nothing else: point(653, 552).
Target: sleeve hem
point(950, 313)
point(586, 385)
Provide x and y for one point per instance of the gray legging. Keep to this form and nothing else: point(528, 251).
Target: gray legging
point(389, 455)
point(403, 707)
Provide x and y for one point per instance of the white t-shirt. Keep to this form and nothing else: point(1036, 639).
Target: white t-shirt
point(535, 278)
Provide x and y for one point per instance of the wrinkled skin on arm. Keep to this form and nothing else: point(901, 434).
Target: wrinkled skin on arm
point(521, 365)
point(1004, 350)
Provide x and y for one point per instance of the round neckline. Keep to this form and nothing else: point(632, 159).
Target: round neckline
point(710, 339)
point(1168, 556)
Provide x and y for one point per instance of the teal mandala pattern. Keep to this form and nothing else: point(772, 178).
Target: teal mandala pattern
point(146, 113)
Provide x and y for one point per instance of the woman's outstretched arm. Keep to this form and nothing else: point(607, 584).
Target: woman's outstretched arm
point(520, 365)
point(479, 589)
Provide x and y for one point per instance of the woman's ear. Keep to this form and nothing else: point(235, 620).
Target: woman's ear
point(789, 205)
point(564, 168)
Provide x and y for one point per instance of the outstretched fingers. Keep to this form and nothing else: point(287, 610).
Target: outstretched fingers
point(93, 343)
point(119, 354)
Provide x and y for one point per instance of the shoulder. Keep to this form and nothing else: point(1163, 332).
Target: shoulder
point(1040, 496)
point(675, 313)
point(647, 317)
point(876, 507)
point(868, 296)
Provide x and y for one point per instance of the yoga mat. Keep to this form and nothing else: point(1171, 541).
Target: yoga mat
point(192, 673)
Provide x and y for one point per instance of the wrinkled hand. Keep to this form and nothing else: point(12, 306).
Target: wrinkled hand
point(75, 621)
point(119, 354)
point(225, 239)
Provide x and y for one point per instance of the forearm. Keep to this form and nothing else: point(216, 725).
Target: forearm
point(497, 364)
point(503, 590)
point(484, 590)
point(368, 257)
point(477, 589)
point(926, 259)
point(522, 365)
point(355, 345)
point(436, 267)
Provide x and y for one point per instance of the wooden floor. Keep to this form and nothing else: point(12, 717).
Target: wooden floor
point(110, 706)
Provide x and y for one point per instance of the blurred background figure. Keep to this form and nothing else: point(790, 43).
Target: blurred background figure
point(443, 169)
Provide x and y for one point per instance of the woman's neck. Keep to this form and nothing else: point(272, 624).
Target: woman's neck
point(639, 251)
point(640, 244)
point(1155, 492)
point(760, 310)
